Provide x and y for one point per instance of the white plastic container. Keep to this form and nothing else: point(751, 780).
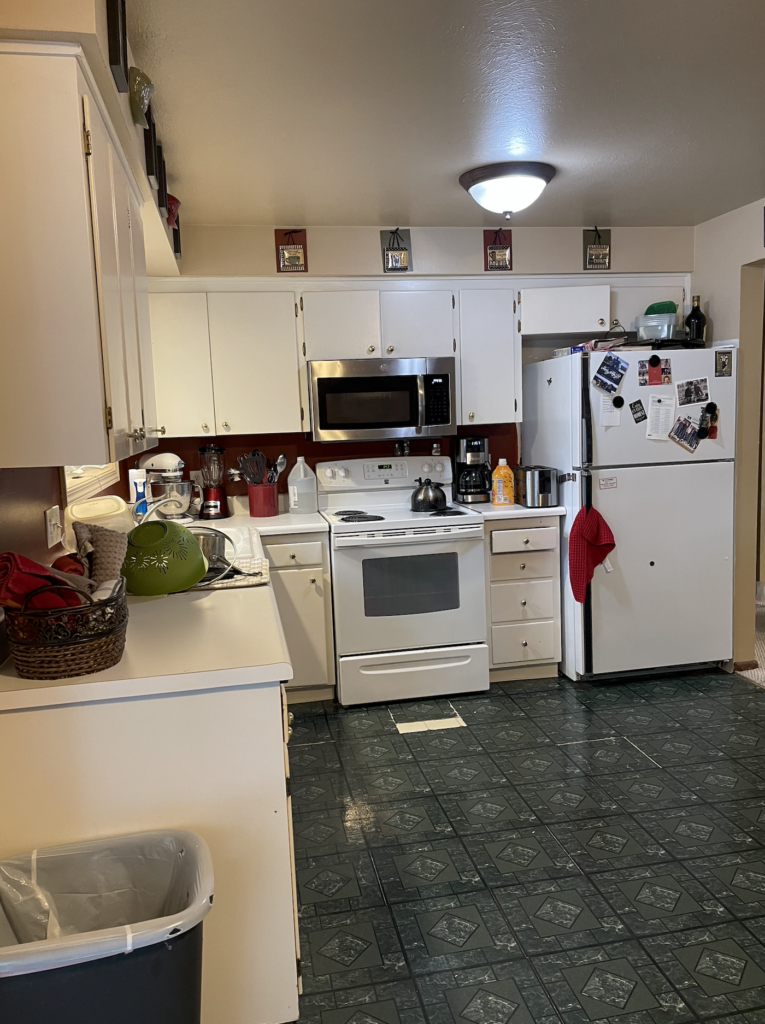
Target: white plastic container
point(108, 510)
point(301, 486)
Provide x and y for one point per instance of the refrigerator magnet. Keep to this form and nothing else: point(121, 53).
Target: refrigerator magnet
point(610, 373)
point(638, 411)
point(654, 371)
point(723, 363)
point(693, 392)
point(685, 432)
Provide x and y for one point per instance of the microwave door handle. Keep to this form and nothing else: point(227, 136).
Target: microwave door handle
point(420, 403)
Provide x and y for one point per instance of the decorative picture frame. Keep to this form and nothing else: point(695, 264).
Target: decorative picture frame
point(498, 250)
point(396, 248)
point(116, 29)
point(291, 251)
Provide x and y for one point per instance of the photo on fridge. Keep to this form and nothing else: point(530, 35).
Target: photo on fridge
point(609, 374)
point(685, 432)
point(659, 372)
point(693, 392)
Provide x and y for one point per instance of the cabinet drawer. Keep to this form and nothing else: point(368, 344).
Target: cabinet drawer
point(544, 539)
point(523, 641)
point(282, 556)
point(518, 602)
point(524, 565)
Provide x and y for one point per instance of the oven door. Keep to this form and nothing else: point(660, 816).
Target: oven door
point(403, 594)
point(367, 399)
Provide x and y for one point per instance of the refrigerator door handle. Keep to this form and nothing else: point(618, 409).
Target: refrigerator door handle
point(586, 411)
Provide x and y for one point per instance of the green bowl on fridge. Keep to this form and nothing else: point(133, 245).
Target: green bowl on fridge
point(162, 558)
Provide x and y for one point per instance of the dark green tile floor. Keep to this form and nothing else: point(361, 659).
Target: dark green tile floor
point(574, 853)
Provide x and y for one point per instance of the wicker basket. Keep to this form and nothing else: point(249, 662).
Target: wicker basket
point(57, 643)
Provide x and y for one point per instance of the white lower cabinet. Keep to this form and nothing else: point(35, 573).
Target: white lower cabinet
point(523, 574)
point(301, 583)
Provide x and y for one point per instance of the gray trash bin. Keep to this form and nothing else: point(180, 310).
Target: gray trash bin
point(106, 930)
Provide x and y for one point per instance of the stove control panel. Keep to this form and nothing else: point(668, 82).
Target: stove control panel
point(385, 470)
point(361, 475)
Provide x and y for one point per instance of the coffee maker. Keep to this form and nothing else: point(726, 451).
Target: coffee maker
point(472, 470)
point(214, 500)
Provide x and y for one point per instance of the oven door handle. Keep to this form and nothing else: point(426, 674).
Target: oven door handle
point(420, 403)
point(351, 540)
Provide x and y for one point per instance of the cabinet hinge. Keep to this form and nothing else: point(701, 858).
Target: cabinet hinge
point(301, 303)
point(454, 344)
point(303, 348)
point(452, 302)
point(683, 294)
point(288, 784)
point(516, 405)
point(86, 142)
point(109, 418)
point(299, 968)
point(296, 312)
point(302, 414)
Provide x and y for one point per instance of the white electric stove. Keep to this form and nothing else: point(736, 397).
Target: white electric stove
point(408, 587)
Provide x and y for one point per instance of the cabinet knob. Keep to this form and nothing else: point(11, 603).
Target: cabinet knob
point(289, 732)
point(389, 349)
point(524, 643)
point(313, 579)
point(205, 427)
point(290, 718)
point(523, 604)
point(225, 425)
point(471, 415)
point(526, 540)
point(371, 349)
point(139, 434)
point(602, 322)
point(157, 430)
point(293, 556)
point(523, 565)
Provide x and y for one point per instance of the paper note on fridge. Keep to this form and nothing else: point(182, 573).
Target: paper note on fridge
point(661, 416)
point(609, 416)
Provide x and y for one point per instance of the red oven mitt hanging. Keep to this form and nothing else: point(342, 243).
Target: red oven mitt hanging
point(589, 542)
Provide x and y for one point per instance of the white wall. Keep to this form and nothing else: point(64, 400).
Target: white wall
point(722, 247)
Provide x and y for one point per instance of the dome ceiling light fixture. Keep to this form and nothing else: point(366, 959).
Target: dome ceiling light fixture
point(507, 187)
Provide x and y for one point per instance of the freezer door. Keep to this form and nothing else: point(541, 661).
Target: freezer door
point(668, 600)
point(551, 424)
point(627, 445)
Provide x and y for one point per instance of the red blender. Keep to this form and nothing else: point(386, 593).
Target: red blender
point(214, 501)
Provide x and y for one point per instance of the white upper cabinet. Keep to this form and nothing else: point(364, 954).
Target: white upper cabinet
point(182, 369)
point(341, 325)
point(578, 309)
point(417, 324)
point(254, 361)
point(490, 357)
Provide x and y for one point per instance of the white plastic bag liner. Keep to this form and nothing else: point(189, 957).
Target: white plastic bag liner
point(69, 904)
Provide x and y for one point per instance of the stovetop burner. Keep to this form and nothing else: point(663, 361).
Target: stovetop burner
point(448, 512)
point(361, 517)
point(349, 512)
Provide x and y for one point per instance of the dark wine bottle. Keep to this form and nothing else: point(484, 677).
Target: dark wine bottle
point(696, 322)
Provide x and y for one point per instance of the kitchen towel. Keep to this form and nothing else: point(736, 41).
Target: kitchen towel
point(589, 542)
point(19, 576)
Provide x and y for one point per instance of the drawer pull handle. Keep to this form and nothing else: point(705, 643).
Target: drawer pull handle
point(293, 555)
point(523, 565)
point(524, 643)
point(523, 604)
point(526, 540)
point(313, 579)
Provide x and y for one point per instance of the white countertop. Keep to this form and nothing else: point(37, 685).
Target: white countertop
point(181, 642)
point(285, 522)
point(489, 511)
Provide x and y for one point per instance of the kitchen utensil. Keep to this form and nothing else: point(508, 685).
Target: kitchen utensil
point(536, 486)
point(214, 501)
point(281, 465)
point(162, 558)
point(178, 495)
point(428, 497)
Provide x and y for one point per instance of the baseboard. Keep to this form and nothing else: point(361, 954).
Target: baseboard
point(745, 666)
point(509, 675)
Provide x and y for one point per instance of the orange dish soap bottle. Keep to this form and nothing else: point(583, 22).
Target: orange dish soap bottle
point(502, 485)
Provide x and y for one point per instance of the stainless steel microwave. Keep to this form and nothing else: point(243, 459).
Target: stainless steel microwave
point(374, 399)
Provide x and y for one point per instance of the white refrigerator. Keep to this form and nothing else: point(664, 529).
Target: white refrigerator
point(667, 601)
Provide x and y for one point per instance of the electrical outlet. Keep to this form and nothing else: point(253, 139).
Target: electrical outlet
point(196, 476)
point(53, 527)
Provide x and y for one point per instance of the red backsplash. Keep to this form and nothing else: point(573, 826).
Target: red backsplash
point(503, 445)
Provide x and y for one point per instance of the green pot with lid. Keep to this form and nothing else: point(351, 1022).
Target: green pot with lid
point(162, 558)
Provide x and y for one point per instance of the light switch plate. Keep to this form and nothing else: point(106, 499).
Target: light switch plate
point(53, 527)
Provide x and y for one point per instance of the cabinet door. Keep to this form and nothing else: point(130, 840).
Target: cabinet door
point(182, 370)
point(108, 282)
point(341, 325)
point(254, 360)
point(575, 310)
point(417, 324)
point(300, 597)
point(145, 355)
point(490, 358)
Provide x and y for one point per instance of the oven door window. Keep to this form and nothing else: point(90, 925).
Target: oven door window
point(411, 584)
point(366, 403)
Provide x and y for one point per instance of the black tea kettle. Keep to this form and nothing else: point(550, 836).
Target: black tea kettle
point(428, 497)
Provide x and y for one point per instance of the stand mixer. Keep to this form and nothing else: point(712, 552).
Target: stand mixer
point(164, 480)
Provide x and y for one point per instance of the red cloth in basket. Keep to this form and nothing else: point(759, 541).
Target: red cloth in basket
point(19, 576)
